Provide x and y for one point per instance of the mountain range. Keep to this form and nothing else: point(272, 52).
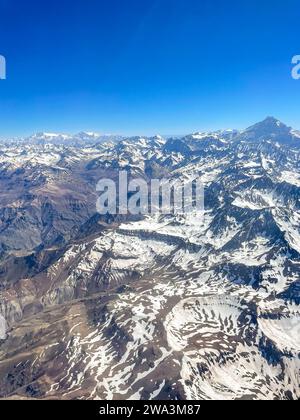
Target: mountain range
point(176, 307)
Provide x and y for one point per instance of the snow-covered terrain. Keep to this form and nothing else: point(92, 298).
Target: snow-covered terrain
point(180, 306)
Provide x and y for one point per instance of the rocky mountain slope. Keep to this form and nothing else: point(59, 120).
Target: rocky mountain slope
point(184, 306)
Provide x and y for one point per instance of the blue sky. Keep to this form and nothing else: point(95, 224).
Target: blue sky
point(146, 67)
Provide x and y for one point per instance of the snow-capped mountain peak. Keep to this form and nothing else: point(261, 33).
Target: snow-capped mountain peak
point(48, 136)
point(269, 129)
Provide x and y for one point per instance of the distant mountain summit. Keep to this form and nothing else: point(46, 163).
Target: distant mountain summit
point(84, 138)
point(46, 138)
point(270, 129)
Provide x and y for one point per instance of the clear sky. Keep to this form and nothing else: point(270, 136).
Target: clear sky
point(147, 66)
